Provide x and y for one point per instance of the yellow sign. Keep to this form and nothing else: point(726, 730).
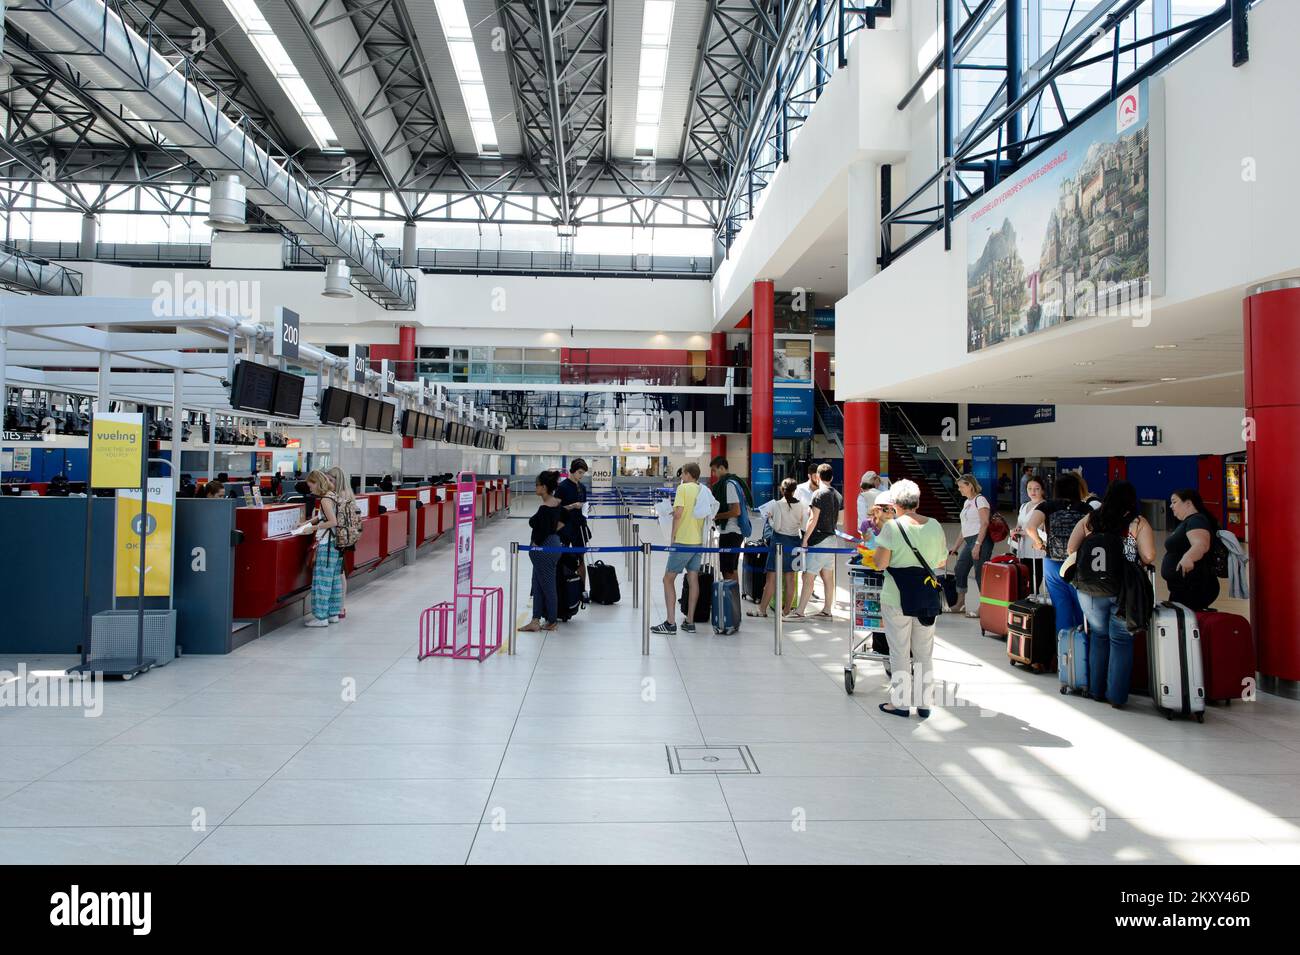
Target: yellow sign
point(158, 541)
point(117, 444)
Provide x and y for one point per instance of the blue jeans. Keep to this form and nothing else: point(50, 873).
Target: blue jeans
point(967, 558)
point(1110, 650)
point(1065, 599)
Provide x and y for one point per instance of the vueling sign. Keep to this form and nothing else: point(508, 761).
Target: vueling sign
point(117, 442)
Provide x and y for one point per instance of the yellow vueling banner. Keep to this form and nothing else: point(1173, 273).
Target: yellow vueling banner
point(158, 541)
point(116, 447)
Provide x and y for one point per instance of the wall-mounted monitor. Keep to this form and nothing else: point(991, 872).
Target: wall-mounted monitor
point(253, 388)
point(333, 406)
point(288, 394)
point(357, 408)
point(436, 432)
point(411, 424)
point(371, 420)
point(387, 410)
point(427, 422)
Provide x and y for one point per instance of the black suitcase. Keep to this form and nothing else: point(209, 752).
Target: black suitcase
point(602, 583)
point(753, 573)
point(1031, 633)
point(704, 604)
point(568, 587)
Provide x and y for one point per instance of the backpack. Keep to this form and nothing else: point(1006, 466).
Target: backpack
point(720, 492)
point(348, 531)
point(1060, 525)
point(1099, 565)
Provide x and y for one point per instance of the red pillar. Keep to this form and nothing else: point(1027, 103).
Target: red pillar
point(1271, 315)
point(406, 363)
point(861, 453)
point(717, 376)
point(760, 418)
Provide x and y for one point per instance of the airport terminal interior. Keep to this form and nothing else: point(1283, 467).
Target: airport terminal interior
point(649, 432)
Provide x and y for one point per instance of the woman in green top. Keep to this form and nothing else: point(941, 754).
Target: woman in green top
point(911, 642)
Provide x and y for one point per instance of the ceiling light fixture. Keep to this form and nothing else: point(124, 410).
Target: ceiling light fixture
point(656, 31)
point(464, 58)
point(277, 60)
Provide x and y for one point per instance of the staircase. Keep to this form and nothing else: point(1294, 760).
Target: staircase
point(933, 473)
point(829, 418)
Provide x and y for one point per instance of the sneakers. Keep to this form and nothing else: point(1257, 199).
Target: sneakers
point(688, 627)
point(315, 622)
point(667, 627)
point(335, 619)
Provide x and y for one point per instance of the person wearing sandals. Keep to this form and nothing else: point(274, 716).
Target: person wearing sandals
point(910, 549)
point(787, 516)
point(327, 569)
point(343, 494)
point(547, 524)
point(823, 517)
point(976, 546)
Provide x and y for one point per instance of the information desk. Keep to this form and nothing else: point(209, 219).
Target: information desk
point(427, 524)
point(271, 562)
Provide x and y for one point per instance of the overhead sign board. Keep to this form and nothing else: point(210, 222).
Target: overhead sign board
point(116, 448)
point(287, 333)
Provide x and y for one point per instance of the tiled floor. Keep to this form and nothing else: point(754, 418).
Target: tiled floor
point(339, 746)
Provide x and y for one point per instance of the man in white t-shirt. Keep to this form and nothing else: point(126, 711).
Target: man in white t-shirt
point(805, 491)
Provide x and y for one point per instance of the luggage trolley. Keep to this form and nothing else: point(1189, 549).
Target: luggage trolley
point(865, 621)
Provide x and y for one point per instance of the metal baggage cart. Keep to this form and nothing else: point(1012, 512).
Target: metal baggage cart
point(865, 621)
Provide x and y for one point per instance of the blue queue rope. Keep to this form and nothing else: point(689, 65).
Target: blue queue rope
point(578, 550)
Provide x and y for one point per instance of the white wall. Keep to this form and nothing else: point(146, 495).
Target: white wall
point(1223, 234)
point(855, 119)
point(1085, 431)
point(663, 313)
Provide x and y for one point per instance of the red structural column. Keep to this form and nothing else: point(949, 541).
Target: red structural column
point(1271, 315)
point(760, 446)
point(861, 453)
point(406, 363)
point(716, 377)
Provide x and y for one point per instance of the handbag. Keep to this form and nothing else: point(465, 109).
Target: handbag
point(919, 591)
point(998, 529)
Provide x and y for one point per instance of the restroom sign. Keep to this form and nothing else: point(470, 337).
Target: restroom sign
point(1148, 436)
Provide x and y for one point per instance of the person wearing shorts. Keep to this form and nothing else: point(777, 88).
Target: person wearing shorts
point(688, 530)
point(823, 517)
point(728, 517)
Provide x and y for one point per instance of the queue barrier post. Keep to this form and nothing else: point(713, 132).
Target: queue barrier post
point(635, 566)
point(780, 597)
point(645, 600)
point(513, 622)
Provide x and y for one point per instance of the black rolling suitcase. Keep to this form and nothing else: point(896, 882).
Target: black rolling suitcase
point(1031, 631)
point(704, 603)
point(568, 587)
point(753, 573)
point(602, 583)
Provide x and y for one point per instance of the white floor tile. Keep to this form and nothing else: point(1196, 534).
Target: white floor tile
point(376, 761)
point(668, 799)
point(874, 843)
point(680, 843)
point(91, 845)
point(335, 845)
point(48, 803)
point(333, 802)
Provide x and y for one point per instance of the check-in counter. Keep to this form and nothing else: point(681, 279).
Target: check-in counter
point(369, 549)
point(271, 562)
point(392, 523)
point(447, 509)
point(421, 499)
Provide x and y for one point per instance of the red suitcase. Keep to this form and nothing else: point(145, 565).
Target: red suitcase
point(1005, 581)
point(1228, 654)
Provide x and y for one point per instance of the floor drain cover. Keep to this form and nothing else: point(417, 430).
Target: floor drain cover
point(711, 759)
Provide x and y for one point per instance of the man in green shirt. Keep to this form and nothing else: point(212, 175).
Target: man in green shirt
point(687, 529)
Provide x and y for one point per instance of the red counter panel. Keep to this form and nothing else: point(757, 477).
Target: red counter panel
point(271, 563)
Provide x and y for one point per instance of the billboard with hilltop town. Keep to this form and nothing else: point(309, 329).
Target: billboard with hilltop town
point(1068, 237)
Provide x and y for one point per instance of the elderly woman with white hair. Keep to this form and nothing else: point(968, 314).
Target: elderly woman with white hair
point(910, 549)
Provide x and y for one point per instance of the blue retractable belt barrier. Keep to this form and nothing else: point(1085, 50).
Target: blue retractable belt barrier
point(691, 549)
point(579, 550)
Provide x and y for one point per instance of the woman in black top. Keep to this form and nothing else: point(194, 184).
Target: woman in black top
point(547, 530)
point(572, 494)
point(1188, 568)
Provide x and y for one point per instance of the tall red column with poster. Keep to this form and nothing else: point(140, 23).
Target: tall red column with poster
point(718, 356)
point(760, 442)
point(1271, 315)
point(861, 453)
point(467, 627)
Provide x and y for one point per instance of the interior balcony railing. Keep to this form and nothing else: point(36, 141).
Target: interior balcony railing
point(455, 261)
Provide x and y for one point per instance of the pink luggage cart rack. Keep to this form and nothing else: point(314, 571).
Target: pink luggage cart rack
point(438, 626)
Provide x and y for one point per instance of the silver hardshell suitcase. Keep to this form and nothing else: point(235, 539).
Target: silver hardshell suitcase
point(1174, 655)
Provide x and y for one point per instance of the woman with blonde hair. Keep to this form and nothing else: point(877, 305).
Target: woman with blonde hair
point(343, 492)
point(976, 546)
point(327, 571)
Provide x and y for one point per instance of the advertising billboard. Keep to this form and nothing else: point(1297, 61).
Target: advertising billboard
point(1069, 236)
